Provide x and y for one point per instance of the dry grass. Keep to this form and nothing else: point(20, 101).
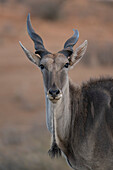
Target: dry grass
point(26, 150)
point(99, 54)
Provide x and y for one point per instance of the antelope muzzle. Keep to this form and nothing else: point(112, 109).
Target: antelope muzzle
point(54, 95)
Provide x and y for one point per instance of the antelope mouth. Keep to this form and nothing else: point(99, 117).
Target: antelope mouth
point(54, 99)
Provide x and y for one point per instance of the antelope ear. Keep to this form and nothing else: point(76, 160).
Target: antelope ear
point(31, 56)
point(78, 54)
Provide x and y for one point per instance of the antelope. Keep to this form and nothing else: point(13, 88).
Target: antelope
point(79, 118)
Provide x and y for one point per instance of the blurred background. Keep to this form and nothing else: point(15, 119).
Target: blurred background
point(24, 138)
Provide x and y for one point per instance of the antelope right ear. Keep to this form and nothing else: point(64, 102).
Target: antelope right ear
point(31, 56)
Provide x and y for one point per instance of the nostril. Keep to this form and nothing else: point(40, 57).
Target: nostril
point(57, 91)
point(54, 93)
point(50, 92)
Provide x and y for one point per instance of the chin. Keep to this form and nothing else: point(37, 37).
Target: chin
point(54, 101)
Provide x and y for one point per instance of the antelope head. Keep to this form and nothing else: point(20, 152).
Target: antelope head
point(54, 67)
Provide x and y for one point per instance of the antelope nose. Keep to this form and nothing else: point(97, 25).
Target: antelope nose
point(54, 93)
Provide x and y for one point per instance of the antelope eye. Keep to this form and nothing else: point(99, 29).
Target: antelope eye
point(66, 65)
point(41, 66)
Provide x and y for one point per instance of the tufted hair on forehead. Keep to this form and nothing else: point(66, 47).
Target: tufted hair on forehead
point(54, 58)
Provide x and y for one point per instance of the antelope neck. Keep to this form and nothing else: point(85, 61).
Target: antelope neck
point(60, 111)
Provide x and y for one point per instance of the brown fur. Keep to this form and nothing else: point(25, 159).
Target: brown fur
point(91, 137)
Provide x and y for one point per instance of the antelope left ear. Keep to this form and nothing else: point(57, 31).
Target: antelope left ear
point(31, 56)
point(78, 54)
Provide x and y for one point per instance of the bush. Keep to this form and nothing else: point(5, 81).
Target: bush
point(47, 9)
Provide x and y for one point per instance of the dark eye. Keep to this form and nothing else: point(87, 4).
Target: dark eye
point(66, 65)
point(41, 66)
